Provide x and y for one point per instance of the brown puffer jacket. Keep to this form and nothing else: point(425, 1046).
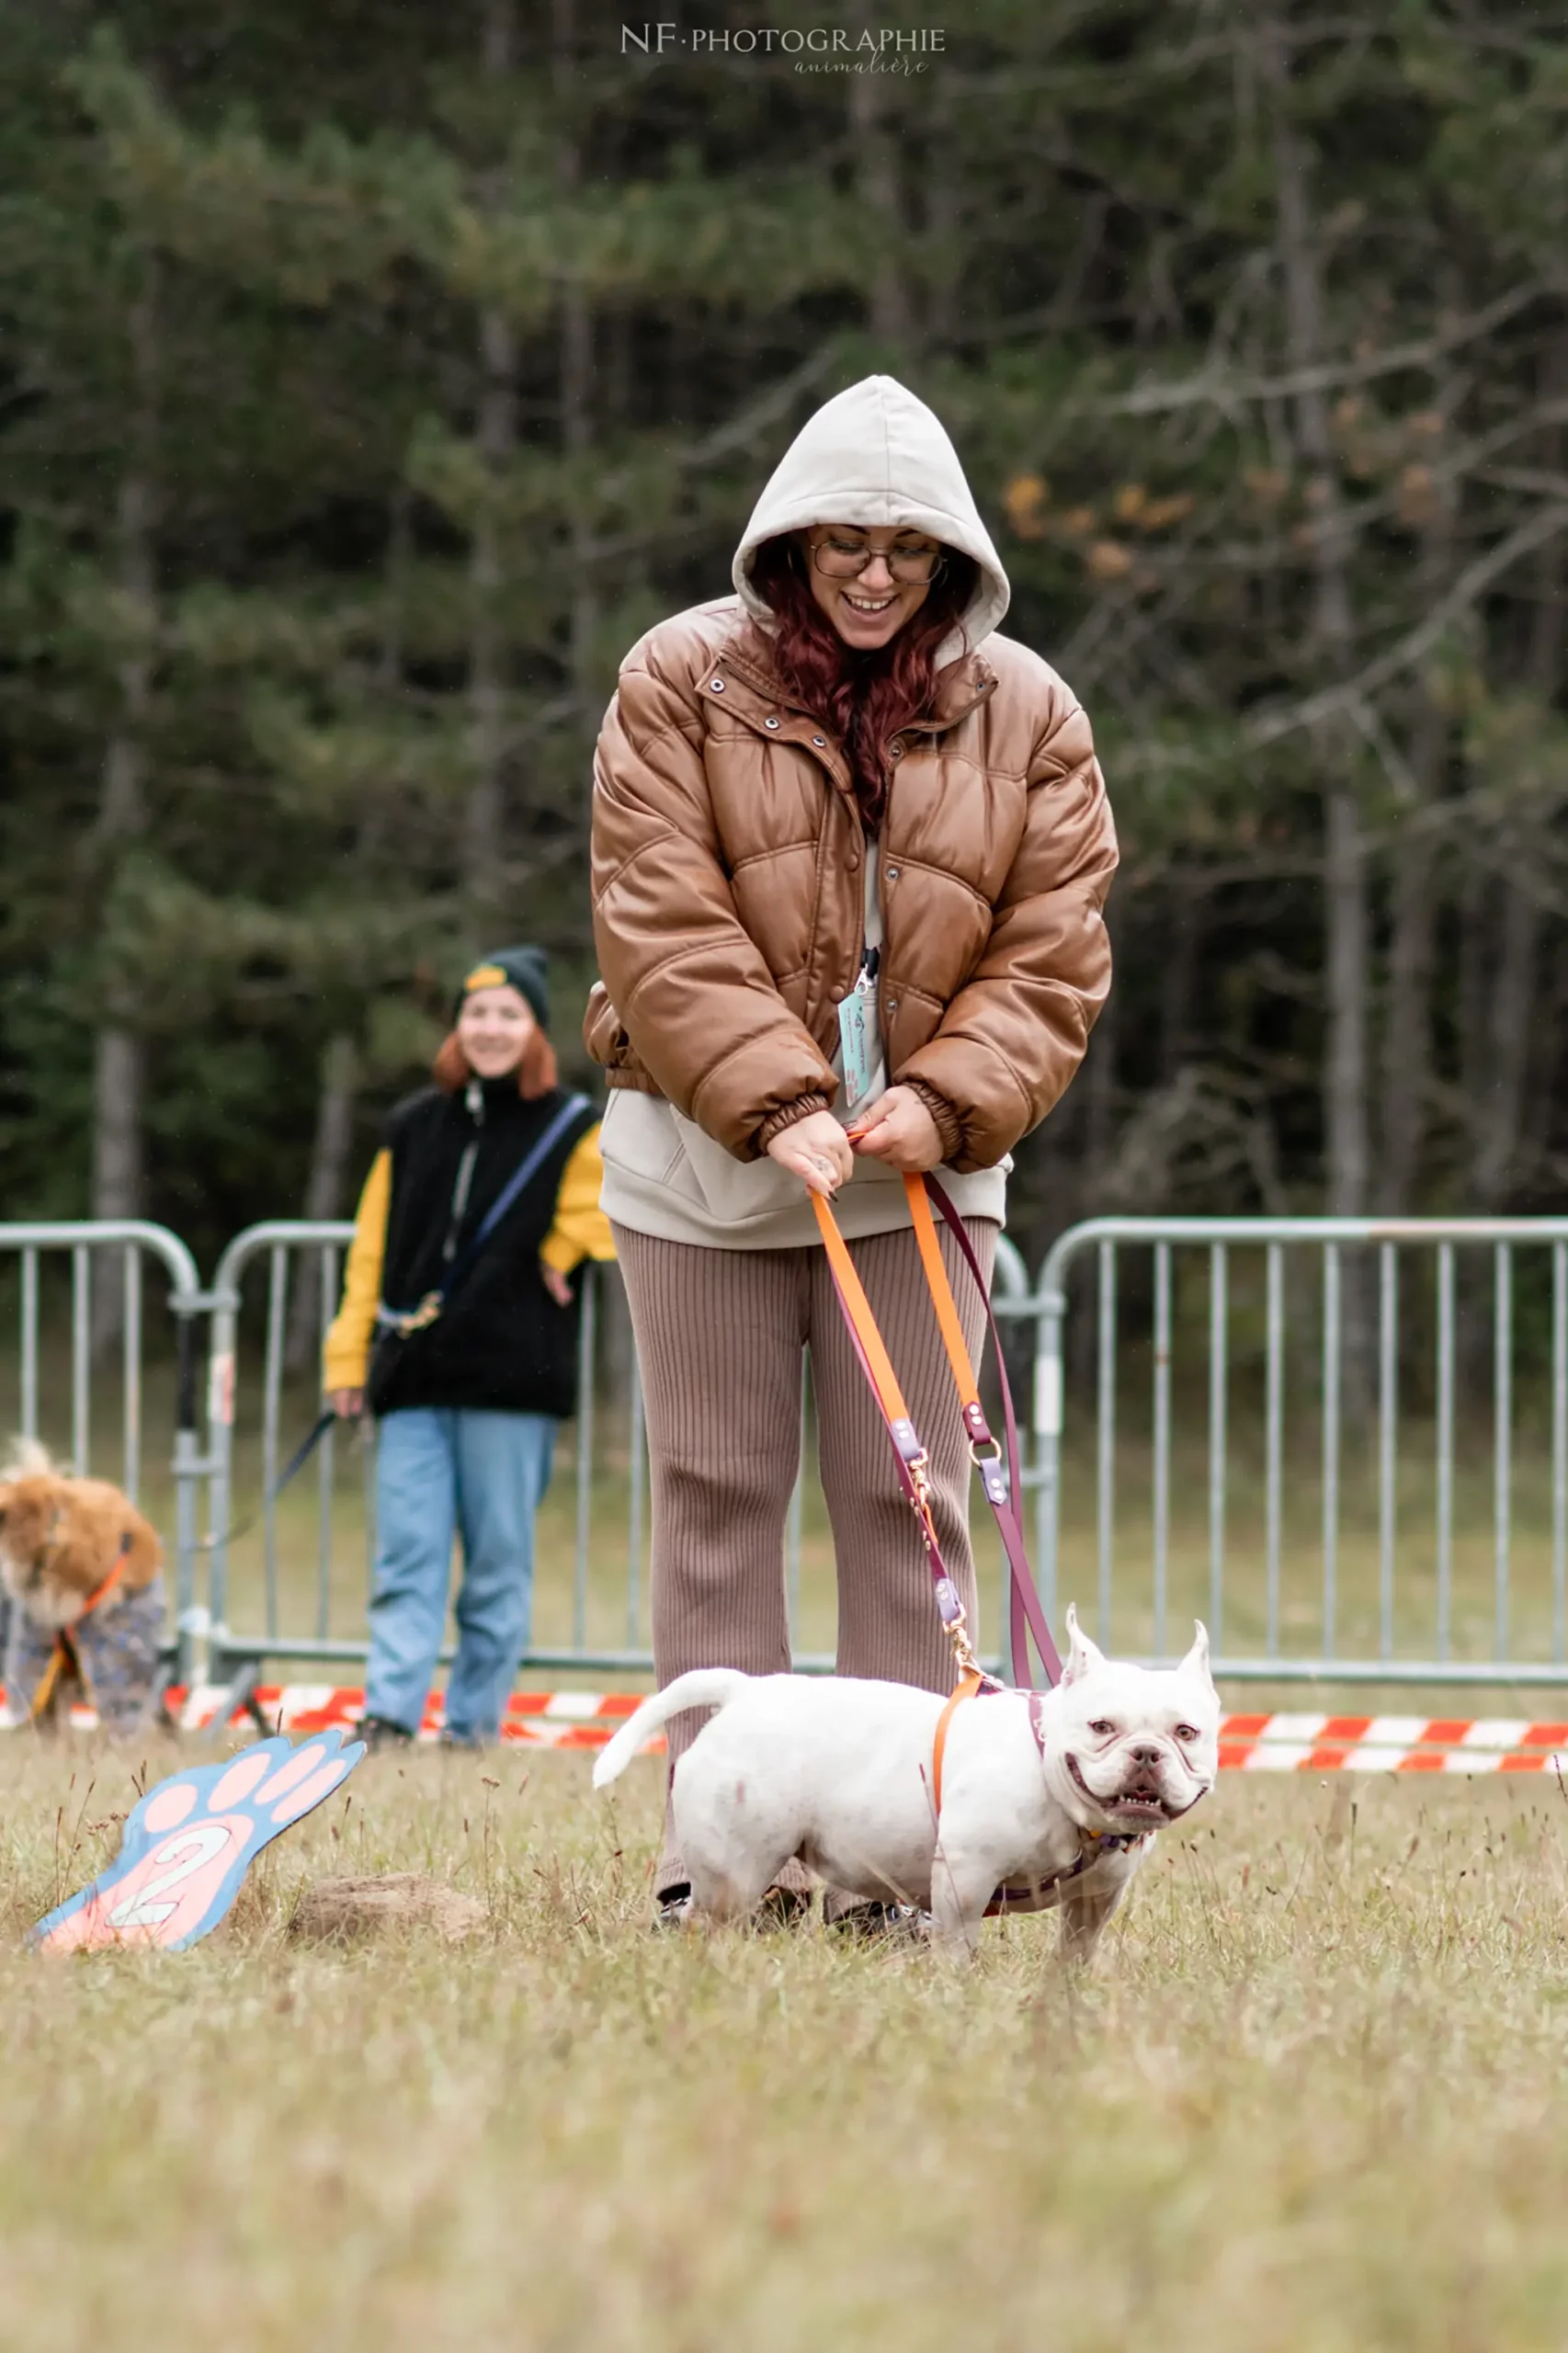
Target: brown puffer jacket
point(728, 894)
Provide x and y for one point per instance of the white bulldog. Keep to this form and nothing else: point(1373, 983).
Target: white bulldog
point(1053, 1795)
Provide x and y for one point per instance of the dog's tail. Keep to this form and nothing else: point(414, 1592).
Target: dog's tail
point(706, 1687)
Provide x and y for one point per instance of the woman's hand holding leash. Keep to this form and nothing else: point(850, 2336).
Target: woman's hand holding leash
point(346, 1403)
point(899, 1130)
point(816, 1150)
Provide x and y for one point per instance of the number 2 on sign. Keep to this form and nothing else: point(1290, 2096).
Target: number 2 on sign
point(184, 1853)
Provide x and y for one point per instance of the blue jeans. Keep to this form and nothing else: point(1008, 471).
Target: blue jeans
point(444, 1472)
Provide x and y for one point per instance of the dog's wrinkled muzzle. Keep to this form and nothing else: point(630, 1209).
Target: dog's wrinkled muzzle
point(1140, 1805)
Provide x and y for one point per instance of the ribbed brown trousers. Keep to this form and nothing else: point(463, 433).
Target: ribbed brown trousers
point(719, 1335)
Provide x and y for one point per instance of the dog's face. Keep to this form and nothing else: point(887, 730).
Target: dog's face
point(1131, 1748)
point(59, 1537)
point(41, 1572)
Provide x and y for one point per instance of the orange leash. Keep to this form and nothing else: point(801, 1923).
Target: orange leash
point(967, 1687)
point(1001, 1480)
point(910, 1458)
point(942, 1297)
point(857, 1309)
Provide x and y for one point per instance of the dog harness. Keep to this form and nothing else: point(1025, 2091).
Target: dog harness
point(63, 1656)
point(1094, 1844)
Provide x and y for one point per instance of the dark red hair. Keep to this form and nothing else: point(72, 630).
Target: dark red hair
point(536, 1072)
point(864, 698)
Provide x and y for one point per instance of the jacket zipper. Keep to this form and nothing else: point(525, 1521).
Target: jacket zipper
point(474, 1103)
point(880, 956)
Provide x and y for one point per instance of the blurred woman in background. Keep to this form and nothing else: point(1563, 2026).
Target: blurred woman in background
point(469, 1400)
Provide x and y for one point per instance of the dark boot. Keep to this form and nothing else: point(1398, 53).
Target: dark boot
point(865, 1923)
point(380, 1732)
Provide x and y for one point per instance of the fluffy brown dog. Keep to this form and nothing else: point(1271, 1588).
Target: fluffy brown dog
point(81, 1565)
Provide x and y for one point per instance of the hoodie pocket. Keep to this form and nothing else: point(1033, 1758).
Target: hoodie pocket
point(736, 1191)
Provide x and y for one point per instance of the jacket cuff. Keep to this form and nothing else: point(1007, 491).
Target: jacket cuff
point(948, 1129)
point(789, 1116)
point(343, 1366)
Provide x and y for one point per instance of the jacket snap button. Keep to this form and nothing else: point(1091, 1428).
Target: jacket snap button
point(893, 874)
point(820, 740)
point(770, 723)
point(892, 1005)
point(717, 685)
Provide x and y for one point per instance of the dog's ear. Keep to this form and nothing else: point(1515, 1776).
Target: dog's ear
point(1083, 1656)
point(1197, 1659)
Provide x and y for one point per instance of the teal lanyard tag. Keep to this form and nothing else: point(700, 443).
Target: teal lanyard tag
point(857, 1043)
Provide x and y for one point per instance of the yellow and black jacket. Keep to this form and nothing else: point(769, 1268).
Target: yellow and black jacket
point(502, 1344)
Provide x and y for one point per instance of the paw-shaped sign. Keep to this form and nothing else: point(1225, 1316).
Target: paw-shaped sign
point(189, 1842)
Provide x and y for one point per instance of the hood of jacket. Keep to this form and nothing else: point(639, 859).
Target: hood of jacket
point(876, 456)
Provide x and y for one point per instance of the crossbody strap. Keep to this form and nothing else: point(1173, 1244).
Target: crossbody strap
point(406, 1321)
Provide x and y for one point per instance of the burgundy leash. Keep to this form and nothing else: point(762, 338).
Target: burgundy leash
point(1000, 1467)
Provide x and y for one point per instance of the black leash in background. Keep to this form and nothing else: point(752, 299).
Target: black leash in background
point(290, 1472)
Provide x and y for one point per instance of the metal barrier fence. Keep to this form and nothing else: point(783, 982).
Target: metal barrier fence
point(247, 1627)
point(83, 1247)
point(1272, 1311)
point(1420, 1622)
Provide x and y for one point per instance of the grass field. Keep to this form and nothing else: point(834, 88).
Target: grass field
point(1308, 2102)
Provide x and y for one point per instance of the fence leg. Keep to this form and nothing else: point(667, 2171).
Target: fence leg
point(190, 1622)
point(221, 1372)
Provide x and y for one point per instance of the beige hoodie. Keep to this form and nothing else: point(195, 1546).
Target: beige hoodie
point(872, 456)
point(877, 457)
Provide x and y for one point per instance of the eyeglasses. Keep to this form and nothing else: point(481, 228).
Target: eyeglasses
point(844, 559)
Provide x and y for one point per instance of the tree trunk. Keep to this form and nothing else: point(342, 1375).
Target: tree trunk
point(325, 1189)
point(576, 381)
point(1407, 1079)
point(943, 219)
point(1474, 907)
point(878, 190)
point(1345, 855)
point(1499, 1111)
point(1408, 1024)
point(1499, 1106)
point(1099, 1083)
point(120, 1059)
point(1347, 913)
point(483, 821)
point(118, 1075)
point(1181, 972)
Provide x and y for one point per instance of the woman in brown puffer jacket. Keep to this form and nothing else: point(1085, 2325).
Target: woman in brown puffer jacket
point(839, 781)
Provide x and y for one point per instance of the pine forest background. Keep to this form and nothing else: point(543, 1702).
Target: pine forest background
point(372, 374)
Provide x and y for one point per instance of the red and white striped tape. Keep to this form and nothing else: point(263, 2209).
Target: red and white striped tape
point(1291, 1744)
point(536, 1718)
point(1258, 1744)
